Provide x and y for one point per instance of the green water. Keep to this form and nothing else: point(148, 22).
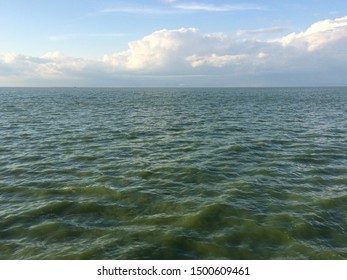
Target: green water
point(173, 173)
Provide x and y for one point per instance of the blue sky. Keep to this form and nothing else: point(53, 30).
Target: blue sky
point(172, 43)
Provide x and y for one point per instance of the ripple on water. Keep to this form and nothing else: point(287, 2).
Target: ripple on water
point(173, 173)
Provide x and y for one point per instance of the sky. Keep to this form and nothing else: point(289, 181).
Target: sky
point(173, 43)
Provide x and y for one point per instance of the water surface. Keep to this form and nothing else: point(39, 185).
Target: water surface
point(242, 173)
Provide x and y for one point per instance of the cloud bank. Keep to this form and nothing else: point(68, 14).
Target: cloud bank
point(315, 56)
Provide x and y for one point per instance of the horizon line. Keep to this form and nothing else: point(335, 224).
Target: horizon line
point(174, 87)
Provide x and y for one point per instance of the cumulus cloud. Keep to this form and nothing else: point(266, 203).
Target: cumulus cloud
point(316, 56)
point(151, 52)
point(188, 50)
point(318, 35)
point(16, 64)
point(168, 49)
point(52, 65)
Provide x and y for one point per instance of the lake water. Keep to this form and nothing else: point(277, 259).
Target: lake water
point(214, 173)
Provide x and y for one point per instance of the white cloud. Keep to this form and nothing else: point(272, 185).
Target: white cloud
point(168, 49)
point(9, 58)
point(51, 65)
point(318, 35)
point(16, 64)
point(316, 56)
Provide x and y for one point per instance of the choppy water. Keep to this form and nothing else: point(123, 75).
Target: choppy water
point(173, 173)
